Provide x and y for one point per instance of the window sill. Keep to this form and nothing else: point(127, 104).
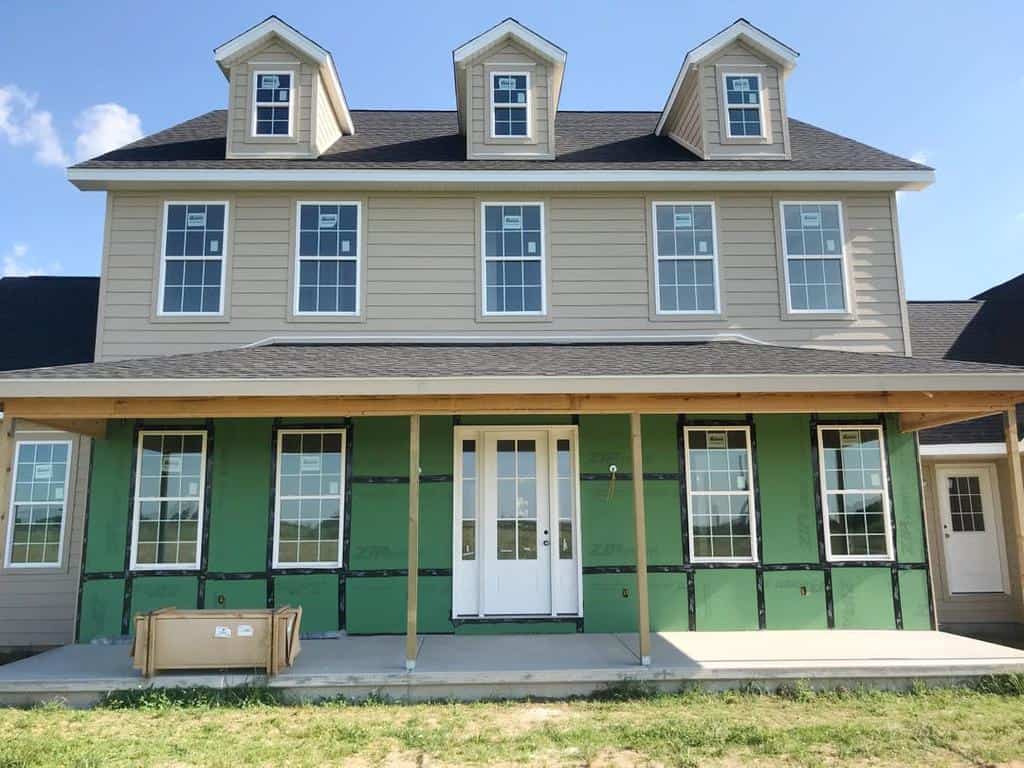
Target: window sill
point(510, 318)
point(186, 318)
point(326, 317)
point(818, 316)
point(687, 317)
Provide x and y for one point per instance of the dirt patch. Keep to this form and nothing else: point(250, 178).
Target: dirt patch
point(621, 758)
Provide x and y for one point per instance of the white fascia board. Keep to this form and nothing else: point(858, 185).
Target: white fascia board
point(506, 385)
point(101, 178)
point(514, 29)
point(965, 449)
point(739, 30)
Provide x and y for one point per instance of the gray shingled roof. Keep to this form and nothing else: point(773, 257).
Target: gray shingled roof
point(347, 361)
point(429, 140)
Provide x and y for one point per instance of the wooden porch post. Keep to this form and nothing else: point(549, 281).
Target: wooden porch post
point(1016, 491)
point(641, 541)
point(6, 460)
point(414, 543)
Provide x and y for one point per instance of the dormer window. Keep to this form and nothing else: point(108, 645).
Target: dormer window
point(273, 104)
point(743, 102)
point(510, 101)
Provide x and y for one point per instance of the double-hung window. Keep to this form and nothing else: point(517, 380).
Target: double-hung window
point(743, 106)
point(720, 494)
point(854, 492)
point(327, 259)
point(309, 504)
point(685, 258)
point(192, 264)
point(510, 100)
point(272, 104)
point(812, 241)
point(513, 256)
point(170, 484)
point(35, 533)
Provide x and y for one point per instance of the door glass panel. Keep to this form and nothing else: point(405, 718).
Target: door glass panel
point(517, 499)
point(469, 477)
point(564, 483)
point(965, 506)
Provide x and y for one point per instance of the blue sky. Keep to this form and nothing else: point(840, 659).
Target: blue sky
point(942, 84)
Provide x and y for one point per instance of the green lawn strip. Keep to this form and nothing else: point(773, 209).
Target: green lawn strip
point(922, 728)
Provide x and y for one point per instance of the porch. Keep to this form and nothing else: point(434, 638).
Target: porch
point(519, 666)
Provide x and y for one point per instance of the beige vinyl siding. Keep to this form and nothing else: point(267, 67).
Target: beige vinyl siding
point(273, 55)
point(328, 130)
point(508, 56)
point(422, 271)
point(738, 57)
point(684, 121)
point(38, 605)
point(979, 608)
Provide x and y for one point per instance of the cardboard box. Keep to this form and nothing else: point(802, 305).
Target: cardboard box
point(216, 639)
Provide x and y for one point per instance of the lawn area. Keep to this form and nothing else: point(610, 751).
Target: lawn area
point(924, 727)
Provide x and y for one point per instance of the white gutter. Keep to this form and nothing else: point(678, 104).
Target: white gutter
point(97, 178)
point(506, 338)
point(510, 385)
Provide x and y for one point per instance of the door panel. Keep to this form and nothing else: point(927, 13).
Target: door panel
point(971, 535)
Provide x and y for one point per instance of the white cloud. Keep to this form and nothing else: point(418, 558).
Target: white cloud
point(23, 124)
point(16, 263)
point(103, 127)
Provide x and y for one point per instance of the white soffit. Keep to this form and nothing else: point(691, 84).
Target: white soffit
point(275, 26)
point(743, 30)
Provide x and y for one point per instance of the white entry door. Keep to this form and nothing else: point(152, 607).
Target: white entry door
point(971, 529)
point(517, 524)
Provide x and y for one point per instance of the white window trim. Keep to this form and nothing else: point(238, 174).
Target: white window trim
point(847, 298)
point(160, 311)
point(658, 258)
point(823, 494)
point(277, 499)
point(64, 507)
point(529, 104)
point(750, 495)
point(291, 104)
point(543, 258)
point(760, 105)
point(137, 503)
point(358, 258)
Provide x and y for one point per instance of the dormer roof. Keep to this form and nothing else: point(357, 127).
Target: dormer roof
point(230, 52)
point(740, 30)
point(505, 30)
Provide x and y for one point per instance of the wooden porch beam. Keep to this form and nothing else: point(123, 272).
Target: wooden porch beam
point(95, 428)
point(915, 422)
point(1013, 462)
point(640, 522)
point(412, 582)
point(38, 409)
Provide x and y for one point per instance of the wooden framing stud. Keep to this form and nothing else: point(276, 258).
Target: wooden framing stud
point(640, 521)
point(6, 460)
point(412, 589)
point(1013, 462)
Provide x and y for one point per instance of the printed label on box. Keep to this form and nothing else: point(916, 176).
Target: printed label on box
point(222, 632)
point(245, 630)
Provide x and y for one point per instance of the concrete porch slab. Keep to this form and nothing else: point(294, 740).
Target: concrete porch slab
point(514, 666)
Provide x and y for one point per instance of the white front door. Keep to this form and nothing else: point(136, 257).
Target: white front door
point(971, 528)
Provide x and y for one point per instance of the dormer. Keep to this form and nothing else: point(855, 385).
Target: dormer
point(507, 84)
point(284, 96)
point(729, 99)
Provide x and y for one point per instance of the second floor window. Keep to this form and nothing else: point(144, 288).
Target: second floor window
point(743, 106)
point(273, 104)
point(328, 259)
point(510, 96)
point(685, 256)
point(192, 270)
point(513, 259)
point(813, 247)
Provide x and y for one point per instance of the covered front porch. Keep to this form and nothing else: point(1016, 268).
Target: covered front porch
point(554, 666)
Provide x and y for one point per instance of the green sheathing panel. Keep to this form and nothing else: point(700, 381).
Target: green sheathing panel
point(906, 493)
point(380, 446)
point(240, 499)
point(726, 599)
point(230, 593)
point(375, 605)
point(795, 600)
point(605, 440)
point(538, 419)
point(435, 525)
point(609, 602)
point(667, 598)
point(862, 598)
point(100, 613)
point(109, 499)
point(436, 445)
point(789, 528)
point(379, 526)
point(516, 628)
point(914, 601)
point(434, 604)
point(317, 593)
point(606, 520)
point(660, 435)
point(152, 592)
point(664, 525)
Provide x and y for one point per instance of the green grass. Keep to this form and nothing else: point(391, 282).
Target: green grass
point(624, 725)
